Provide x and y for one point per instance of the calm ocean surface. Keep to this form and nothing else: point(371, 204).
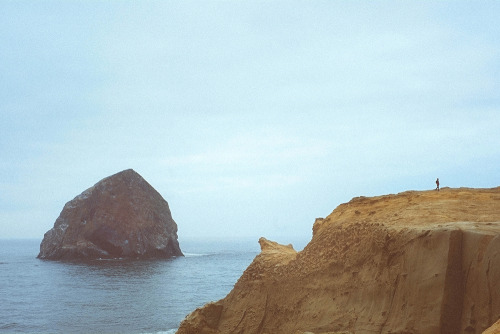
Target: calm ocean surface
point(114, 296)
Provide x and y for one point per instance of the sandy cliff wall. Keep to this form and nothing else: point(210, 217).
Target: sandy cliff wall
point(416, 262)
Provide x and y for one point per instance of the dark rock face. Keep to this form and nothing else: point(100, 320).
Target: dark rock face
point(122, 216)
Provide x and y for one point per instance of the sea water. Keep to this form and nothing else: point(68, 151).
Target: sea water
point(114, 296)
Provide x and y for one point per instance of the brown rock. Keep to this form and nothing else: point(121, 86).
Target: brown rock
point(122, 216)
point(416, 262)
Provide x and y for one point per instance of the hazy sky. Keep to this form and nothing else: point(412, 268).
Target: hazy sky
point(251, 118)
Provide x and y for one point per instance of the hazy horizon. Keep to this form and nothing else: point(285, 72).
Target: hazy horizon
point(251, 118)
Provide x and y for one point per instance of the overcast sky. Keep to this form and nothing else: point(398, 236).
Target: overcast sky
point(251, 118)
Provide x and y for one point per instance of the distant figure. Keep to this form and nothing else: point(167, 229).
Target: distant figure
point(437, 184)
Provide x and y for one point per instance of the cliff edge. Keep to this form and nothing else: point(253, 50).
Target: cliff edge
point(415, 262)
point(121, 216)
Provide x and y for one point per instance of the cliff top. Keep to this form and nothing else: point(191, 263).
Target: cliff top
point(419, 208)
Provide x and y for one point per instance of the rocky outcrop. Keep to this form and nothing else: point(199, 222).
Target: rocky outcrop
point(122, 216)
point(415, 262)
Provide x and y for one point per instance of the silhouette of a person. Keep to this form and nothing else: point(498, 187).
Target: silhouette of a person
point(437, 184)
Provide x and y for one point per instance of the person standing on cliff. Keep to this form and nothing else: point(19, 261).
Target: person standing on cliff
point(437, 184)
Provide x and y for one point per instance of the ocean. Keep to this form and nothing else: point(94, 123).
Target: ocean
point(114, 296)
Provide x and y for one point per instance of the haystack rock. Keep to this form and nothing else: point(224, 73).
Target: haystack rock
point(416, 262)
point(122, 216)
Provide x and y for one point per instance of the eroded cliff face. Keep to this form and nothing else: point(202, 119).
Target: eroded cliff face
point(122, 216)
point(415, 262)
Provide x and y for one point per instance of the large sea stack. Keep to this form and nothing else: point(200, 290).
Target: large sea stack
point(416, 262)
point(122, 216)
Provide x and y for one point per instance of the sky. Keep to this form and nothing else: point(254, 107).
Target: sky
point(251, 118)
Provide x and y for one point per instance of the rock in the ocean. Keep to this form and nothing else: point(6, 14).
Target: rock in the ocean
point(122, 216)
point(416, 262)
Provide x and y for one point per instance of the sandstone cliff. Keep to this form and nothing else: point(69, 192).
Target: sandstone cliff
point(415, 262)
point(494, 329)
point(122, 216)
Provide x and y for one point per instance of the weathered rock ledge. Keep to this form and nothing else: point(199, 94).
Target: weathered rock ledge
point(415, 262)
point(122, 216)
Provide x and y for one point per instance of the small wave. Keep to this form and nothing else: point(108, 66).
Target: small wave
point(169, 331)
point(195, 254)
point(14, 325)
